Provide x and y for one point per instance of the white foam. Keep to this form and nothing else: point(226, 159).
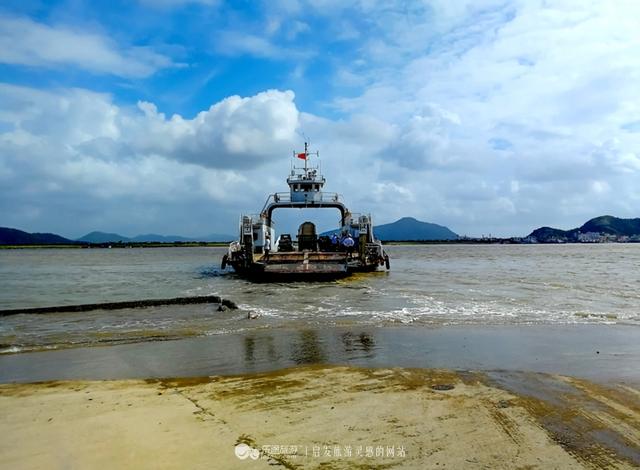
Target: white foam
point(12, 350)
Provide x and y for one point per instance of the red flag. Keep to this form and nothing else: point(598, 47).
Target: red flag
point(302, 156)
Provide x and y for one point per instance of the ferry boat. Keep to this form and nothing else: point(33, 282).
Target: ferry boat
point(263, 254)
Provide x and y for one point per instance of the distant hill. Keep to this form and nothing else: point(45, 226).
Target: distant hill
point(409, 228)
point(548, 233)
point(103, 237)
point(217, 237)
point(612, 225)
point(154, 237)
point(605, 224)
point(12, 236)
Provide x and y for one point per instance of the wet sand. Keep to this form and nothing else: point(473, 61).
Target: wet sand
point(601, 353)
point(323, 417)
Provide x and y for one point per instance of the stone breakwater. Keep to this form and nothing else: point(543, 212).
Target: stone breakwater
point(203, 299)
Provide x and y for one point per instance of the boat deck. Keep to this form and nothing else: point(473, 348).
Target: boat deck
point(303, 256)
point(304, 262)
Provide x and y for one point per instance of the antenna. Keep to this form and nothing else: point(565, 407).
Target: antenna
point(304, 137)
point(307, 168)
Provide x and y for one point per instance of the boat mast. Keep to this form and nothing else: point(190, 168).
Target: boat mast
point(306, 157)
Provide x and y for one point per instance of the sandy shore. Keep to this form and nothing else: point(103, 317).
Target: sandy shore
point(323, 417)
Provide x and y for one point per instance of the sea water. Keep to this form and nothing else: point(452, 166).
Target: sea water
point(427, 286)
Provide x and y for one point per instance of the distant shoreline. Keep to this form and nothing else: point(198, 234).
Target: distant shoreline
point(462, 241)
point(117, 245)
point(494, 241)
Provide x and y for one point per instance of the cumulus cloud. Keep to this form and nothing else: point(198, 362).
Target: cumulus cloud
point(484, 115)
point(423, 140)
point(234, 133)
point(76, 149)
point(27, 42)
point(481, 94)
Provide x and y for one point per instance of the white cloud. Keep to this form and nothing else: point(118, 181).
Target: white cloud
point(481, 94)
point(238, 43)
point(241, 42)
point(76, 149)
point(486, 116)
point(424, 140)
point(295, 29)
point(26, 42)
point(234, 133)
point(177, 3)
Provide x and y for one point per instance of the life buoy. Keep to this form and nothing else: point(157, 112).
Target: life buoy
point(224, 262)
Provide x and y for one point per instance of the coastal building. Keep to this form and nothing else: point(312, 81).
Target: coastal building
point(589, 237)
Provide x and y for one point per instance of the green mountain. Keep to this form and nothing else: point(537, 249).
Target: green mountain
point(154, 237)
point(103, 237)
point(409, 228)
point(12, 236)
point(543, 234)
point(605, 224)
point(612, 225)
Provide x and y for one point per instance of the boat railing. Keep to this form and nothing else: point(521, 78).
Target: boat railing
point(357, 221)
point(253, 218)
point(319, 198)
point(352, 219)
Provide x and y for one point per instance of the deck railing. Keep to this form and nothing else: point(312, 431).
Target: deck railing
point(318, 198)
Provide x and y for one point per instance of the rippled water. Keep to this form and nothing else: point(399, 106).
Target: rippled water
point(427, 285)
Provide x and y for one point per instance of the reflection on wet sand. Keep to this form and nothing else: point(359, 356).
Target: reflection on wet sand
point(307, 348)
point(587, 351)
point(265, 345)
point(359, 342)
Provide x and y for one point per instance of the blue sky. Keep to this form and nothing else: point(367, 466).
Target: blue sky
point(207, 51)
point(175, 116)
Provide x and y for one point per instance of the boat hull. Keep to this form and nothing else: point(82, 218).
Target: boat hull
point(302, 266)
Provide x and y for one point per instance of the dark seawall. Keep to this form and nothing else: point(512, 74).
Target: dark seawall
point(204, 299)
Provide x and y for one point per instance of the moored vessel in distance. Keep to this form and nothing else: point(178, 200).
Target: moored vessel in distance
point(263, 254)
